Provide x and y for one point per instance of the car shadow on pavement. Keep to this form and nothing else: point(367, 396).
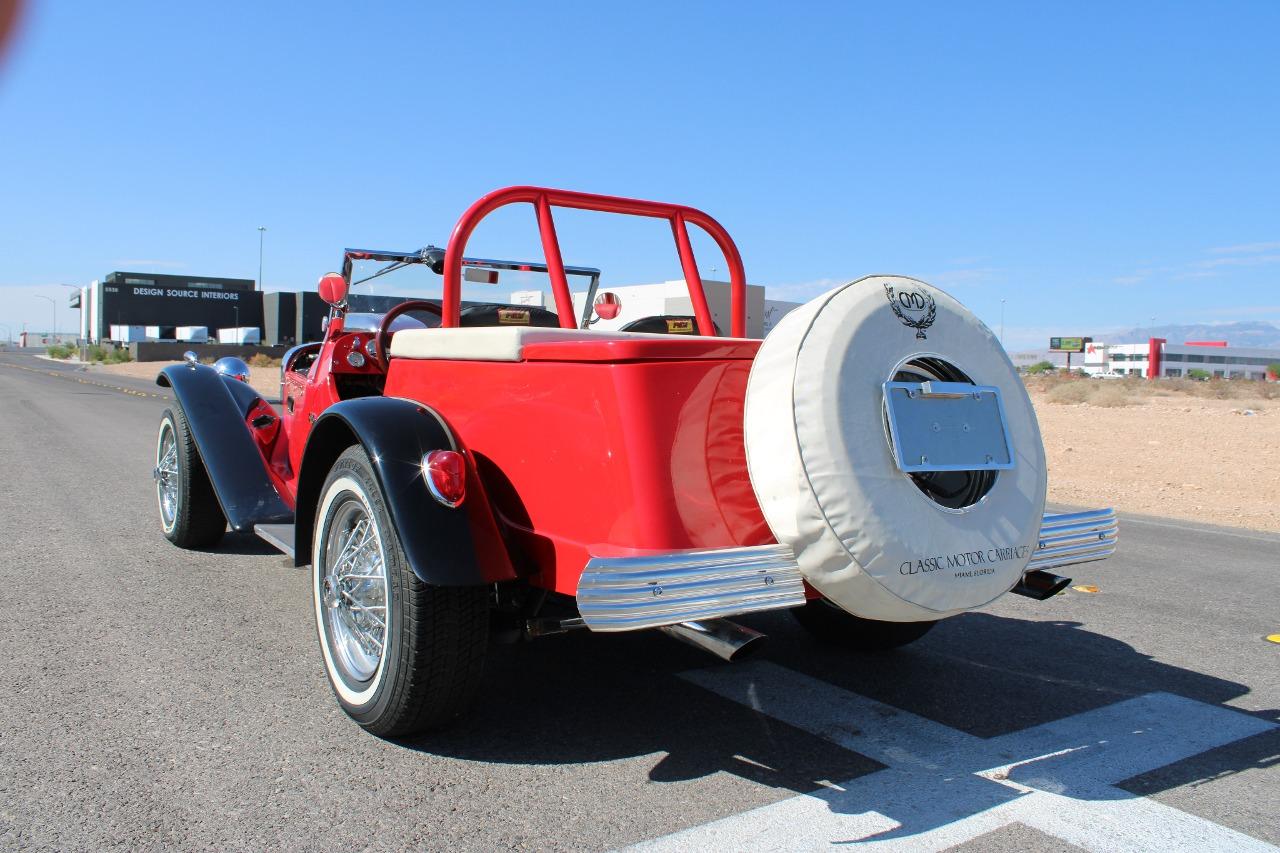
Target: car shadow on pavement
point(244, 544)
point(586, 698)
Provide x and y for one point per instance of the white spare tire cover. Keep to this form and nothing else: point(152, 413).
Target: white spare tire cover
point(821, 465)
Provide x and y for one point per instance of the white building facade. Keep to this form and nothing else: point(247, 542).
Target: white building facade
point(1159, 358)
point(671, 299)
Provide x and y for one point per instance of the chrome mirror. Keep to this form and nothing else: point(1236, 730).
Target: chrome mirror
point(232, 367)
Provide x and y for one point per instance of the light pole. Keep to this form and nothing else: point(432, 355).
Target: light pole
point(262, 233)
point(76, 288)
point(54, 303)
point(1001, 322)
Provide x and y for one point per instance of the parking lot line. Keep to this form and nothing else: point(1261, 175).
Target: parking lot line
point(943, 787)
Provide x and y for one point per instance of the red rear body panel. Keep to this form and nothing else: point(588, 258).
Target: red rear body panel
point(603, 448)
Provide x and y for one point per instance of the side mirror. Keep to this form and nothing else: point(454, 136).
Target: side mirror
point(608, 305)
point(333, 288)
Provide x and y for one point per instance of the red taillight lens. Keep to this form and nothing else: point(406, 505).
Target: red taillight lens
point(446, 474)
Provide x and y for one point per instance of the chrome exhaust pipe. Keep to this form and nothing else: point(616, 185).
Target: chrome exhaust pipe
point(1040, 585)
point(724, 639)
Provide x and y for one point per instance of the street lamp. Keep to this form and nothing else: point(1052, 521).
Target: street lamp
point(54, 303)
point(77, 289)
point(262, 233)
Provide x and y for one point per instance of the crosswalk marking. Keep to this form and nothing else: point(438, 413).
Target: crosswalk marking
point(943, 787)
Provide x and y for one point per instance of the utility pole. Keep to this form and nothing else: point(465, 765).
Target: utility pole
point(77, 289)
point(262, 232)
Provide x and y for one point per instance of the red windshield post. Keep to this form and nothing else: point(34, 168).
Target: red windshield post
point(543, 199)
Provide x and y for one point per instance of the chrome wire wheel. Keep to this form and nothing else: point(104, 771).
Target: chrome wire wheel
point(353, 589)
point(166, 475)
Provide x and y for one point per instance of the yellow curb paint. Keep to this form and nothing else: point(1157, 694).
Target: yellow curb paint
point(1085, 588)
point(1273, 638)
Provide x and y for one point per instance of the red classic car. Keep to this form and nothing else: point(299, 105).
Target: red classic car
point(449, 472)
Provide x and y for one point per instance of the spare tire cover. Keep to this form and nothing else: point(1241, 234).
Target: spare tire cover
point(822, 468)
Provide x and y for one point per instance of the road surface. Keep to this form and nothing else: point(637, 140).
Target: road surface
point(155, 697)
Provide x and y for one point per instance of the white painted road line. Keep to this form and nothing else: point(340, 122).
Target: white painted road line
point(942, 787)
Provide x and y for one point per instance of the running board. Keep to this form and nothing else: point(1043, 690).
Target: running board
point(277, 536)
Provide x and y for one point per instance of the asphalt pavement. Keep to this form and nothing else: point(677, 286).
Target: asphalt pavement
point(152, 697)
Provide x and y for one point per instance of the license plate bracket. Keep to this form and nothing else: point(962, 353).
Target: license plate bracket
point(947, 426)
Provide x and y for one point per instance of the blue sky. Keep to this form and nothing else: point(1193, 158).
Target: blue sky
point(1092, 164)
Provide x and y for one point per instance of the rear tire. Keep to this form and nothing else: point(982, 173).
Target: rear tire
point(418, 666)
point(190, 514)
point(832, 625)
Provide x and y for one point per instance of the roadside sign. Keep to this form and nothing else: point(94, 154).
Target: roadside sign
point(1068, 344)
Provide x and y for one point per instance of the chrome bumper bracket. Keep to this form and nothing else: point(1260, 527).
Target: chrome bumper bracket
point(1075, 537)
point(649, 591)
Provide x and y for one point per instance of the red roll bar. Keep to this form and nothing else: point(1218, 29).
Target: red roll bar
point(543, 199)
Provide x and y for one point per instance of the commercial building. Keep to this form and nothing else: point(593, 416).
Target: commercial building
point(1159, 358)
point(671, 299)
point(163, 303)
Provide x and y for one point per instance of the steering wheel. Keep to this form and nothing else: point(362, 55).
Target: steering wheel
point(382, 337)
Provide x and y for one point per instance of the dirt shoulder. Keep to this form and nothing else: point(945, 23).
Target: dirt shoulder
point(1166, 452)
point(1153, 449)
point(265, 380)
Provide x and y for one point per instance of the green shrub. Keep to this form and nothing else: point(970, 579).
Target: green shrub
point(61, 351)
point(120, 356)
point(1198, 374)
point(96, 352)
point(1041, 367)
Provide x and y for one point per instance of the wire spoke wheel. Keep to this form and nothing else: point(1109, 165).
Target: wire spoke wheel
point(190, 514)
point(166, 475)
point(354, 589)
point(402, 655)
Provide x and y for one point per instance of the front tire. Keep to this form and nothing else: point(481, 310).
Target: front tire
point(190, 514)
point(834, 626)
point(402, 656)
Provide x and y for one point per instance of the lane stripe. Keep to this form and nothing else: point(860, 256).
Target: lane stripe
point(943, 787)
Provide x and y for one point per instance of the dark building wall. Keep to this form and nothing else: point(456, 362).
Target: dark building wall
point(280, 318)
point(148, 299)
point(311, 312)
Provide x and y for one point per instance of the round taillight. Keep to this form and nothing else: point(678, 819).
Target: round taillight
point(446, 474)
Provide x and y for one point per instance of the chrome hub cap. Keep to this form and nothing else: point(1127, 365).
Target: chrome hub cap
point(166, 475)
point(353, 588)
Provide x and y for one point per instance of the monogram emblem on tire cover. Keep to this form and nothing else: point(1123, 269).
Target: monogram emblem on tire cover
point(915, 307)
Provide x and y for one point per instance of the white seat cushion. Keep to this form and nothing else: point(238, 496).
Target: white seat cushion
point(494, 343)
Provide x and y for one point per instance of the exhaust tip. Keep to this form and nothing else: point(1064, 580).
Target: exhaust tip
point(726, 640)
point(1041, 585)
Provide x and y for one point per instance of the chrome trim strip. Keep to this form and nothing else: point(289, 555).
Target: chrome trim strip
point(649, 591)
point(1067, 539)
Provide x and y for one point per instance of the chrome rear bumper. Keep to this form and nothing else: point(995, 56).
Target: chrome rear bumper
point(1075, 537)
point(630, 593)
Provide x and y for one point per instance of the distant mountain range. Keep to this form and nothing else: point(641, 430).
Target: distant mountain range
point(1245, 334)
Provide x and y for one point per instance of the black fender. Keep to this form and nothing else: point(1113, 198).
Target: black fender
point(445, 546)
point(215, 407)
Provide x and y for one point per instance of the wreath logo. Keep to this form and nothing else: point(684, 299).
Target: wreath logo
point(915, 308)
